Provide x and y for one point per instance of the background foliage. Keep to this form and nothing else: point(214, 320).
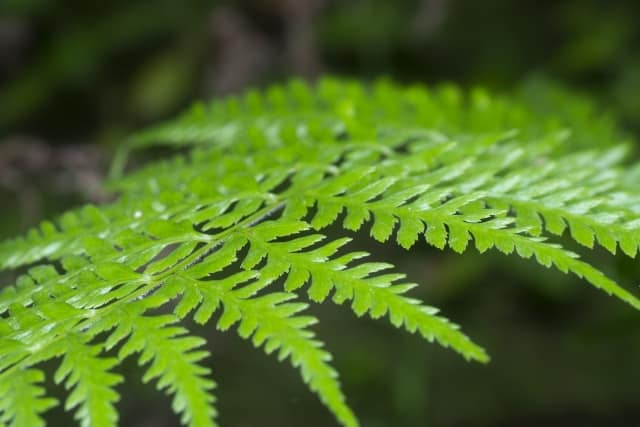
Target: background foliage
point(77, 76)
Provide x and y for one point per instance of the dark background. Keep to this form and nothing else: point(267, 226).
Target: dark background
point(77, 76)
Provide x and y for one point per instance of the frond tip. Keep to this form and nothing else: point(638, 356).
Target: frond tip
point(233, 231)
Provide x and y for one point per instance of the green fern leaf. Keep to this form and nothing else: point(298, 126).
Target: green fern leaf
point(22, 398)
point(92, 382)
point(259, 215)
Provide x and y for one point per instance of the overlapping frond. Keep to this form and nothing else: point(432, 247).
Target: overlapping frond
point(173, 358)
point(92, 381)
point(22, 398)
point(235, 227)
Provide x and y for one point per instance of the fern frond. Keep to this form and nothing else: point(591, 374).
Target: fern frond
point(174, 362)
point(371, 293)
point(271, 321)
point(227, 226)
point(22, 398)
point(92, 381)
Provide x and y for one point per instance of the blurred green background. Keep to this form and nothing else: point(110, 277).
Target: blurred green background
point(77, 76)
